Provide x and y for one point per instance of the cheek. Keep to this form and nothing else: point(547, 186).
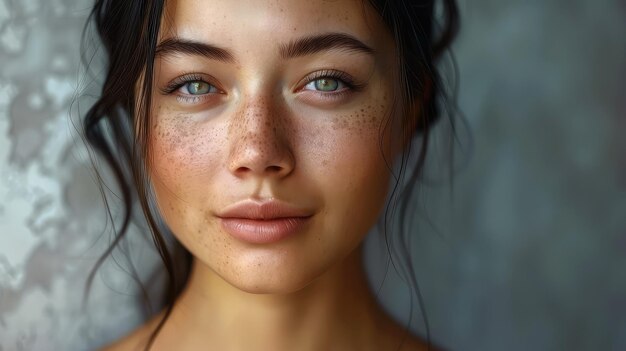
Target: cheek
point(350, 168)
point(183, 151)
point(352, 144)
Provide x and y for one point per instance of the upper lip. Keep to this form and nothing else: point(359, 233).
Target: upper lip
point(264, 210)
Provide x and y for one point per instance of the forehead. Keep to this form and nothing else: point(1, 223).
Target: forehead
point(251, 25)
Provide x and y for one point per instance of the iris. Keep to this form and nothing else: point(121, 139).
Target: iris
point(326, 84)
point(198, 87)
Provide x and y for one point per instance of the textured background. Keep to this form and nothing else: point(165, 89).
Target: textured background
point(527, 252)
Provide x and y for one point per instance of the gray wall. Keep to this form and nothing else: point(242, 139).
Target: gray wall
point(527, 251)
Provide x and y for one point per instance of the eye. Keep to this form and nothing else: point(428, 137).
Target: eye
point(326, 84)
point(197, 87)
point(192, 88)
point(191, 85)
point(330, 84)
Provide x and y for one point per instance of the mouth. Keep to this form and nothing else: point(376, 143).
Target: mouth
point(263, 222)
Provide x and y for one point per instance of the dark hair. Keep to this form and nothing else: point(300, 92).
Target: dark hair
point(117, 125)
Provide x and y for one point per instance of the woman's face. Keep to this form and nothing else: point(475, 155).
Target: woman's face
point(272, 101)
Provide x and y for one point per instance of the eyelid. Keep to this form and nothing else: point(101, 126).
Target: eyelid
point(180, 81)
point(350, 85)
point(333, 74)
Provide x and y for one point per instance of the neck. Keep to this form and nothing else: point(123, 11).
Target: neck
point(336, 311)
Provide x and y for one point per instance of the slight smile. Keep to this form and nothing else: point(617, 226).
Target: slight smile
point(264, 222)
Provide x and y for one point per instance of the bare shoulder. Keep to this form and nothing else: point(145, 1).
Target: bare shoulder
point(413, 343)
point(399, 339)
point(409, 342)
point(135, 340)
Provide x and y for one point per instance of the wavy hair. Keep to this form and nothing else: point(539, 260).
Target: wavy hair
point(117, 125)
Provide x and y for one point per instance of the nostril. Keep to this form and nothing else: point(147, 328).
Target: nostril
point(274, 169)
point(243, 170)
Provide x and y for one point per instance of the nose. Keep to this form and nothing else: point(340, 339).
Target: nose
point(259, 146)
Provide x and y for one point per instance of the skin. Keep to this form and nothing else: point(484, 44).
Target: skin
point(263, 131)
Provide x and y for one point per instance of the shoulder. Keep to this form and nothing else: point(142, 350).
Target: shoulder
point(397, 338)
point(413, 343)
point(136, 340)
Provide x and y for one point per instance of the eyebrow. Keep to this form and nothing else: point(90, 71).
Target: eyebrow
point(322, 42)
point(304, 46)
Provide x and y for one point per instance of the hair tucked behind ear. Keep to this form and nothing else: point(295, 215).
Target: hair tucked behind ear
point(117, 126)
point(420, 43)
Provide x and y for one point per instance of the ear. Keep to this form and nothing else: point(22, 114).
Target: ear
point(412, 121)
point(415, 120)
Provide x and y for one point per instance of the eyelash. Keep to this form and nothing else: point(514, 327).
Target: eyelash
point(181, 81)
point(342, 77)
point(346, 79)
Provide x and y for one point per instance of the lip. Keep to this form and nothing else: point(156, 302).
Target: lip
point(263, 222)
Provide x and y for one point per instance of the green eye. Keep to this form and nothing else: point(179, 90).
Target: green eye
point(326, 84)
point(198, 87)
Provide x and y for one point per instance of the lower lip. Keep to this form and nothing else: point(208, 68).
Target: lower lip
point(256, 231)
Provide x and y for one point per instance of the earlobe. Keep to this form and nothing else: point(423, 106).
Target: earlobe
point(416, 120)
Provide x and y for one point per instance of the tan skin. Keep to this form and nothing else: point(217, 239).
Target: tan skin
point(259, 125)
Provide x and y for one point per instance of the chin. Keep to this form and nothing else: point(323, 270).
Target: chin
point(254, 285)
point(268, 289)
point(261, 279)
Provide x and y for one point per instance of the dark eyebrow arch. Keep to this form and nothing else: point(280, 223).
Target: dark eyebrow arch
point(177, 45)
point(300, 47)
point(322, 42)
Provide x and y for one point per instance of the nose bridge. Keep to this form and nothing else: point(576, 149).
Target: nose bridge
point(258, 142)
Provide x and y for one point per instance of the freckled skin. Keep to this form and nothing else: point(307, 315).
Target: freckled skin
point(264, 136)
point(329, 157)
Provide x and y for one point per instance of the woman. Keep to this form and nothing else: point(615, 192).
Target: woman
point(262, 135)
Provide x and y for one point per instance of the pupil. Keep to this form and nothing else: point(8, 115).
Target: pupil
point(326, 84)
point(198, 88)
